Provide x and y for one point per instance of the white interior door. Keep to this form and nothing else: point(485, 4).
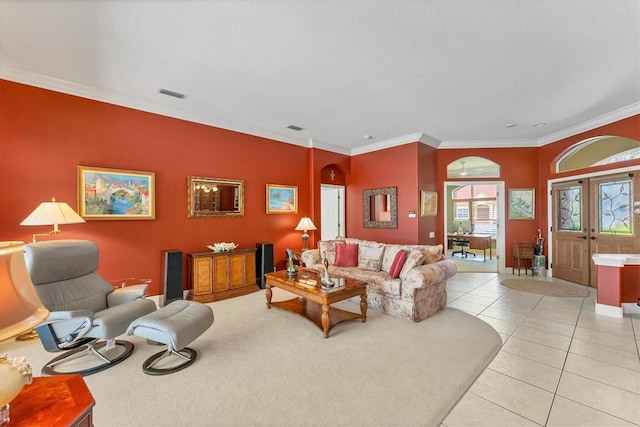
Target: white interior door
point(332, 211)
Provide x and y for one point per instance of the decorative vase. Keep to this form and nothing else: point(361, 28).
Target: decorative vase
point(15, 373)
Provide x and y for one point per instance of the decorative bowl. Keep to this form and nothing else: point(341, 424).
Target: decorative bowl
point(223, 247)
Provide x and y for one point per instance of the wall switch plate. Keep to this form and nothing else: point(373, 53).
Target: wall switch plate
point(432, 234)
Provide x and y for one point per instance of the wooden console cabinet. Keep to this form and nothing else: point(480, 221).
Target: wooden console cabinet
point(219, 275)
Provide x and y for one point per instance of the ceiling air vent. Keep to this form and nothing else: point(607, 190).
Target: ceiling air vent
point(294, 127)
point(172, 93)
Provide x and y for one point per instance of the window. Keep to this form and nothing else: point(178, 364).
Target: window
point(477, 205)
point(461, 211)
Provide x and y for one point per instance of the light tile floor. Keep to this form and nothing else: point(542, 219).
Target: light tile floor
point(560, 363)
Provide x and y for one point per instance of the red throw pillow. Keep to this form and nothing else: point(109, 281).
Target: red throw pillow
point(398, 262)
point(347, 255)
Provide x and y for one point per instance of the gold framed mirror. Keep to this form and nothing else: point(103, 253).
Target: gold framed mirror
point(213, 197)
point(380, 207)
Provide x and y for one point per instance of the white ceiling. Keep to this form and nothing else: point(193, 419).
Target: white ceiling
point(451, 73)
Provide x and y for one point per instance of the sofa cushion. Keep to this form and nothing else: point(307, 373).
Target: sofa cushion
point(370, 258)
point(414, 259)
point(327, 248)
point(378, 280)
point(346, 255)
point(398, 263)
point(390, 252)
point(433, 254)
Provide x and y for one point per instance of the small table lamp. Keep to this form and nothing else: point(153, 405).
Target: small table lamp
point(304, 225)
point(52, 213)
point(21, 311)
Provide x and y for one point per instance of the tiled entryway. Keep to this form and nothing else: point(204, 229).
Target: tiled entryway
point(560, 363)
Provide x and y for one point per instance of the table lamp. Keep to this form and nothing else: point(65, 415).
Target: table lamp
point(21, 311)
point(52, 213)
point(304, 225)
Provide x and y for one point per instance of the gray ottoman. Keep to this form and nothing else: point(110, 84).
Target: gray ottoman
point(176, 325)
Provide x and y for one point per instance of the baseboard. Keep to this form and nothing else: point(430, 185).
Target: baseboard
point(609, 310)
point(630, 308)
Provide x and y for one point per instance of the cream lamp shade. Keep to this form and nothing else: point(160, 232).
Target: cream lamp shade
point(52, 213)
point(22, 309)
point(304, 225)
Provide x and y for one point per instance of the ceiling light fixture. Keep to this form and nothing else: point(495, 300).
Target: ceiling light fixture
point(510, 125)
point(294, 127)
point(367, 137)
point(463, 172)
point(539, 125)
point(172, 93)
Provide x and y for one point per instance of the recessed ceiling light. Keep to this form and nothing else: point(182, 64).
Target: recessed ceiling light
point(539, 125)
point(367, 137)
point(510, 125)
point(294, 127)
point(172, 93)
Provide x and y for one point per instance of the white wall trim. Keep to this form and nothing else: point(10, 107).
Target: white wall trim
point(501, 208)
point(605, 119)
point(609, 310)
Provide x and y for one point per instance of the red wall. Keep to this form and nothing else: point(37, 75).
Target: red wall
point(321, 159)
point(428, 181)
point(518, 169)
point(45, 135)
point(392, 167)
point(629, 128)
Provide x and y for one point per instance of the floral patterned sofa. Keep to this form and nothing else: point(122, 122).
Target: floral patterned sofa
point(419, 288)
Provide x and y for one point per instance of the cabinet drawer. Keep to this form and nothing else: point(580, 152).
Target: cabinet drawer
point(526, 253)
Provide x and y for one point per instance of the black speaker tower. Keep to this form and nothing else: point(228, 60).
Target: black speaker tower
point(264, 262)
point(172, 275)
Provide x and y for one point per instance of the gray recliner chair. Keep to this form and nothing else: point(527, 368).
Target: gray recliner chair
point(87, 313)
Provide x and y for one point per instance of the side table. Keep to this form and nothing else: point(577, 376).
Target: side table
point(56, 401)
point(522, 257)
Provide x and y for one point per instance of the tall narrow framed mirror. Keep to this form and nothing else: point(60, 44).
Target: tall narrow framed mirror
point(380, 207)
point(212, 197)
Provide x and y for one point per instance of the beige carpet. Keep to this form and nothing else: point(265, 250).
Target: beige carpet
point(544, 287)
point(259, 367)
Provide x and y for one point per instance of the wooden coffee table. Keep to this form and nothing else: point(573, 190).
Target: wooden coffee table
point(314, 302)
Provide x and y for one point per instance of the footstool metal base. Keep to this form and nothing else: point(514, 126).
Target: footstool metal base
point(187, 354)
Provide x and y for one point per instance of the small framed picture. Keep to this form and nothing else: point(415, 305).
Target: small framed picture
point(522, 203)
point(428, 203)
point(282, 199)
point(115, 193)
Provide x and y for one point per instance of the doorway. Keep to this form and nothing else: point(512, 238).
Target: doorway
point(592, 215)
point(476, 215)
point(331, 211)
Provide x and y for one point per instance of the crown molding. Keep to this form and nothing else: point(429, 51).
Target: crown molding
point(70, 88)
point(313, 143)
point(395, 142)
point(605, 119)
point(503, 143)
point(18, 75)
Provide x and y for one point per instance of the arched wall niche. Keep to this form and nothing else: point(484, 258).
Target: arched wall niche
point(597, 151)
point(473, 167)
point(332, 174)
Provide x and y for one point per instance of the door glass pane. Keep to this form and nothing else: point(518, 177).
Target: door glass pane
point(614, 207)
point(569, 202)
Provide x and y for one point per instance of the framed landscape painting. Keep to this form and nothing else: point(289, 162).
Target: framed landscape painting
point(115, 193)
point(521, 203)
point(282, 199)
